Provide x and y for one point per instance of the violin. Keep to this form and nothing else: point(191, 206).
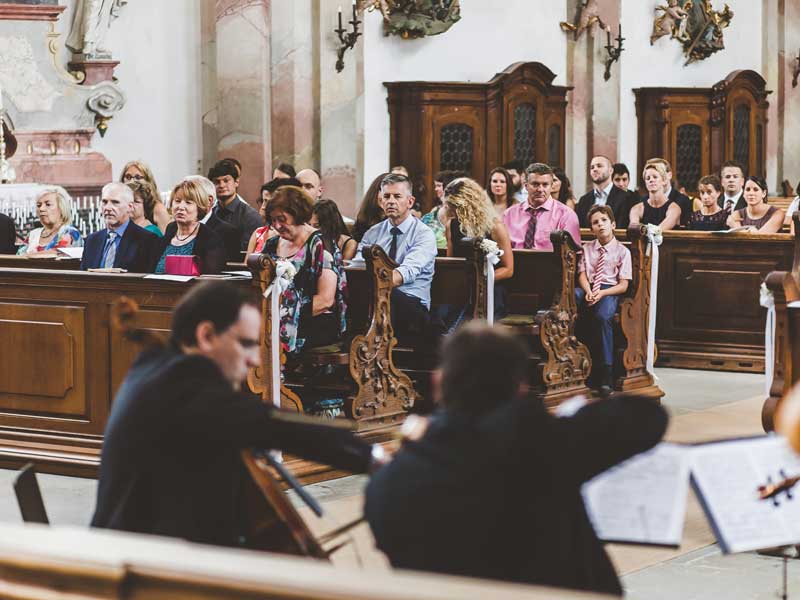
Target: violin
point(272, 523)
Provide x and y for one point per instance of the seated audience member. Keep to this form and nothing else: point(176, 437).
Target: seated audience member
point(328, 220)
point(518, 189)
point(794, 206)
point(313, 306)
point(437, 217)
point(673, 193)
point(370, 212)
point(499, 190)
point(284, 171)
point(657, 208)
point(311, 182)
point(710, 217)
point(482, 517)
point(603, 193)
point(122, 244)
point(231, 207)
point(757, 216)
point(136, 171)
point(8, 235)
point(263, 233)
point(55, 215)
point(412, 245)
point(472, 214)
point(142, 208)
point(732, 176)
point(562, 188)
point(621, 177)
point(227, 233)
point(604, 273)
point(188, 236)
point(530, 224)
point(171, 462)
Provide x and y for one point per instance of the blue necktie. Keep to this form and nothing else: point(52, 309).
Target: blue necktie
point(112, 250)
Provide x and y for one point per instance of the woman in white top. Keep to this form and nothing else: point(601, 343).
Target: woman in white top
point(55, 214)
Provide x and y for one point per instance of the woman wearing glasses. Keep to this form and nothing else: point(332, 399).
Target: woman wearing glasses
point(136, 172)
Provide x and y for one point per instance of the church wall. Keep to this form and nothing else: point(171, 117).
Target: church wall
point(158, 46)
point(661, 65)
point(486, 41)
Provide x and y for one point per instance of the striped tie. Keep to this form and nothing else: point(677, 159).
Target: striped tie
point(598, 271)
point(112, 250)
point(530, 233)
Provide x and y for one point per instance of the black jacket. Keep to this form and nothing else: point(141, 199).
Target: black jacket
point(684, 203)
point(739, 205)
point(136, 252)
point(170, 463)
point(8, 235)
point(230, 238)
point(500, 497)
point(617, 200)
point(209, 248)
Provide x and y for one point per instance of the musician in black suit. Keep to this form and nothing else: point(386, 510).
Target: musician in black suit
point(228, 233)
point(732, 177)
point(170, 463)
point(122, 244)
point(603, 192)
point(8, 235)
point(492, 487)
point(673, 195)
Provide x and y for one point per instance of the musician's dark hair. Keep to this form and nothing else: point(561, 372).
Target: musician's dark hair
point(218, 302)
point(620, 169)
point(226, 166)
point(482, 368)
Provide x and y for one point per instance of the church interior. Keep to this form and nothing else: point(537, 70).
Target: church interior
point(609, 188)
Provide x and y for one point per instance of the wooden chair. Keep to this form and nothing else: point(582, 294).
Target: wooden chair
point(29, 496)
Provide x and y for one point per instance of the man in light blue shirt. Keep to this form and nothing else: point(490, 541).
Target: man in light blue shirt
point(412, 244)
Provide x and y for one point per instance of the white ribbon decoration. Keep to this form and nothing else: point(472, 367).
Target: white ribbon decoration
point(284, 274)
point(655, 237)
point(493, 254)
point(767, 300)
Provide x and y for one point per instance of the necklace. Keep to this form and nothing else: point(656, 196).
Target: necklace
point(43, 236)
point(191, 233)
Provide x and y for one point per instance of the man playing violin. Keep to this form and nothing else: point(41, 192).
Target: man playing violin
point(170, 462)
point(492, 487)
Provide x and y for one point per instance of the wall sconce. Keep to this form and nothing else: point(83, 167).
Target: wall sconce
point(796, 71)
point(614, 52)
point(347, 39)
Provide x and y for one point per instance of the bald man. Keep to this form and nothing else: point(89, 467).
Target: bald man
point(311, 183)
point(603, 192)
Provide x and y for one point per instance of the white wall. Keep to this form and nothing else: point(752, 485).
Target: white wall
point(158, 45)
point(661, 65)
point(488, 38)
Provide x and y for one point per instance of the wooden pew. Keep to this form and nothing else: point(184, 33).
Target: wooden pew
point(23, 262)
point(785, 288)
point(38, 562)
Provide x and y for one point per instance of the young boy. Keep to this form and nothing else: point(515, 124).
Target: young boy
point(604, 273)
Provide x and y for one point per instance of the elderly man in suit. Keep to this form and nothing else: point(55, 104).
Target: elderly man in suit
point(603, 192)
point(122, 244)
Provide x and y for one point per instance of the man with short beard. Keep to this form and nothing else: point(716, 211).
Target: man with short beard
point(122, 244)
point(231, 207)
point(603, 193)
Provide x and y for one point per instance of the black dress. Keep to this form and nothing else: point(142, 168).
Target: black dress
point(716, 222)
point(652, 215)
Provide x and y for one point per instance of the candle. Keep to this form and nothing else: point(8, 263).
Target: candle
point(340, 17)
point(620, 30)
point(355, 11)
point(608, 36)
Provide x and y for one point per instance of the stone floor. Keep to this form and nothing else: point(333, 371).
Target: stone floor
point(704, 405)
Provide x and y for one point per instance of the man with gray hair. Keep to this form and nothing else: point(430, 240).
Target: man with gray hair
point(229, 234)
point(410, 243)
point(122, 244)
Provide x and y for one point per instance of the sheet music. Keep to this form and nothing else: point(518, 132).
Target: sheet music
point(642, 500)
point(726, 476)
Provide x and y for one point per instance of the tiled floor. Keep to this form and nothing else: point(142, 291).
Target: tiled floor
point(704, 405)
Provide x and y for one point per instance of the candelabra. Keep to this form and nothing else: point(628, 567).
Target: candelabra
point(614, 52)
point(7, 173)
point(347, 39)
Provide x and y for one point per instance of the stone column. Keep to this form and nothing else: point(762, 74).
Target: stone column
point(606, 94)
point(238, 123)
point(776, 70)
point(580, 66)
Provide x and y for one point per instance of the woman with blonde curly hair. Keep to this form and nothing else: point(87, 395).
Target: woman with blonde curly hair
point(136, 172)
point(473, 215)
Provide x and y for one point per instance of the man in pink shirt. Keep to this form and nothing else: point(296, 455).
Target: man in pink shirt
point(530, 223)
point(604, 274)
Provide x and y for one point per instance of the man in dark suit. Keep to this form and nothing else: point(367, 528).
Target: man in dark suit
point(170, 463)
point(122, 244)
point(603, 192)
point(492, 487)
point(673, 195)
point(732, 177)
point(621, 177)
point(8, 235)
point(231, 236)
